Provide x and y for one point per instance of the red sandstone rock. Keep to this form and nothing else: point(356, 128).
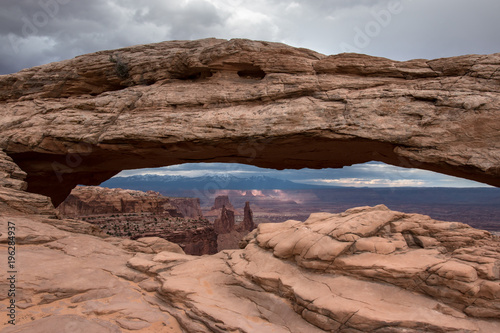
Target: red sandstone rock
point(271, 105)
point(225, 223)
point(95, 200)
point(222, 201)
point(247, 224)
point(137, 214)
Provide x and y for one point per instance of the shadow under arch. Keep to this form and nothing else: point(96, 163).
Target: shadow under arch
point(86, 164)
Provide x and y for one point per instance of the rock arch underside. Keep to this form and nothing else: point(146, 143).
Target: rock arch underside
point(83, 120)
point(369, 269)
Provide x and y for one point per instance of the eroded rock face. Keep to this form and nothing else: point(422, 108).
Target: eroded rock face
point(189, 207)
point(247, 224)
point(222, 201)
point(95, 200)
point(358, 271)
point(136, 214)
point(83, 120)
point(224, 224)
point(13, 197)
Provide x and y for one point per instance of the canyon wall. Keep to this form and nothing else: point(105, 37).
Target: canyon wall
point(95, 200)
point(188, 207)
point(136, 214)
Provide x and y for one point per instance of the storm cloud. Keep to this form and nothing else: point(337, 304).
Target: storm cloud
point(37, 32)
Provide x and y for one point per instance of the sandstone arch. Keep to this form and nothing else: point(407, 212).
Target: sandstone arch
point(81, 121)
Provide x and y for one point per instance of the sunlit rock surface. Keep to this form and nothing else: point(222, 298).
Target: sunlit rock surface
point(368, 269)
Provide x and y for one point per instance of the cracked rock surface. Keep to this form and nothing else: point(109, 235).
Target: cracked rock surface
point(358, 271)
point(368, 269)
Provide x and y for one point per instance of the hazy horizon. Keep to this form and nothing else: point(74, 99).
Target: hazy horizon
point(371, 174)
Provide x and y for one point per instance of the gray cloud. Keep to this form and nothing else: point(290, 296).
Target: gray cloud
point(372, 174)
point(37, 32)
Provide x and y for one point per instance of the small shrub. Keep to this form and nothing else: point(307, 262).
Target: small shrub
point(121, 68)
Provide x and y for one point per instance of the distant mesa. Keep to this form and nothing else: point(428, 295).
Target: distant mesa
point(221, 201)
point(136, 214)
point(216, 209)
point(94, 200)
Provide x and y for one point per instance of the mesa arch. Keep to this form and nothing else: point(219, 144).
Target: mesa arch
point(83, 120)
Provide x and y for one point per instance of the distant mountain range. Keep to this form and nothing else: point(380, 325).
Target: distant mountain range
point(210, 182)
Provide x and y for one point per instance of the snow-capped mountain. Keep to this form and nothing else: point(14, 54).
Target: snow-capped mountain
point(208, 182)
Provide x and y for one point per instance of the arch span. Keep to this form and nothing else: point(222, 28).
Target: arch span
point(66, 123)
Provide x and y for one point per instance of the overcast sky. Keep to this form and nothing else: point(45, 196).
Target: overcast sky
point(372, 174)
point(35, 32)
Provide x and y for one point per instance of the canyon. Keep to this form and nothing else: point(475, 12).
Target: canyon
point(367, 269)
point(137, 214)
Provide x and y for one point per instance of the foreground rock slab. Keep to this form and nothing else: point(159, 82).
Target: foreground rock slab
point(360, 271)
point(368, 269)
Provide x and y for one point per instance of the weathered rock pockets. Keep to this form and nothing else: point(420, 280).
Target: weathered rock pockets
point(80, 121)
point(366, 270)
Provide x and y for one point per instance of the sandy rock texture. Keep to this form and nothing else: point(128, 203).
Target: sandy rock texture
point(359, 271)
point(83, 120)
point(368, 269)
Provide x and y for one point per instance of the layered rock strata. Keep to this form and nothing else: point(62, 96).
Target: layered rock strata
point(188, 207)
point(137, 214)
point(81, 121)
point(95, 200)
point(368, 269)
